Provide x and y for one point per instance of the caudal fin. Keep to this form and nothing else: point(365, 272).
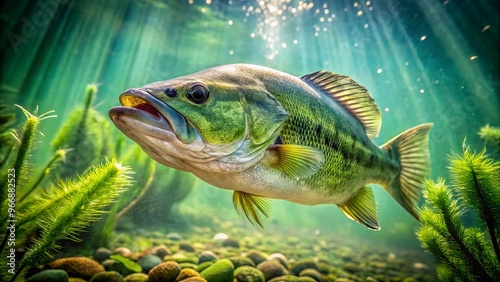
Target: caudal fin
point(411, 150)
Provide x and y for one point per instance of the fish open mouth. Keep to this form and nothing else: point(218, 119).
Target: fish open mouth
point(156, 117)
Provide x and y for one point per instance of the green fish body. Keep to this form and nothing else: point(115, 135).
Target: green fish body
point(266, 134)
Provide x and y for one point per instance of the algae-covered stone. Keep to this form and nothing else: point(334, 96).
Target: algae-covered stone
point(248, 274)
point(272, 268)
point(181, 257)
point(161, 251)
point(122, 251)
point(241, 261)
point(207, 256)
point(74, 279)
point(194, 279)
point(136, 277)
point(185, 246)
point(229, 242)
point(107, 276)
point(147, 262)
point(281, 258)
point(80, 267)
point(285, 278)
point(174, 236)
point(304, 264)
point(164, 272)
point(102, 254)
point(202, 266)
point(220, 271)
point(256, 256)
point(50, 275)
point(313, 273)
point(188, 265)
point(186, 273)
point(306, 279)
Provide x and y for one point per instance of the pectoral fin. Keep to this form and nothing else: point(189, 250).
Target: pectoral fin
point(361, 208)
point(251, 205)
point(295, 160)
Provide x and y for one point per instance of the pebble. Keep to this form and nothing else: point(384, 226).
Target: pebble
point(241, 261)
point(313, 273)
point(231, 243)
point(219, 238)
point(221, 270)
point(257, 256)
point(248, 274)
point(161, 251)
point(164, 272)
point(102, 254)
point(49, 275)
point(147, 262)
point(80, 267)
point(272, 269)
point(186, 273)
point(107, 276)
point(174, 236)
point(304, 264)
point(207, 256)
point(136, 277)
point(123, 251)
point(185, 246)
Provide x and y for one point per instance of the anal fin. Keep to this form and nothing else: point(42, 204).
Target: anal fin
point(361, 208)
point(251, 205)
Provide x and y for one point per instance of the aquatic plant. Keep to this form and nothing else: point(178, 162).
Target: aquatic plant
point(61, 211)
point(6, 122)
point(87, 133)
point(464, 253)
point(490, 134)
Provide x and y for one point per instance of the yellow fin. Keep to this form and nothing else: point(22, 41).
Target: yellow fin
point(411, 150)
point(297, 161)
point(361, 208)
point(352, 96)
point(251, 205)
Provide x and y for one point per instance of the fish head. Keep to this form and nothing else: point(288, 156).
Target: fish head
point(201, 122)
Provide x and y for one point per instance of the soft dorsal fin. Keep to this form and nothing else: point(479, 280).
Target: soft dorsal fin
point(352, 96)
point(251, 205)
point(361, 208)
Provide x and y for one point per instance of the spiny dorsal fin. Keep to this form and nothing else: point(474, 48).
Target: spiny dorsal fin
point(296, 161)
point(250, 205)
point(361, 208)
point(352, 96)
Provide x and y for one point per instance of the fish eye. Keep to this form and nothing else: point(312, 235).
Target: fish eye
point(197, 94)
point(170, 92)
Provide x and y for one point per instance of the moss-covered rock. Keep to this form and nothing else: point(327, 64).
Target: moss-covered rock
point(272, 268)
point(285, 278)
point(207, 256)
point(188, 265)
point(241, 261)
point(102, 254)
point(194, 279)
point(136, 277)
point(202, 266)
point(186, 273)
point(220, 271)
point(80, 267)
point(313, 273)
point(164, 272)
point(182, 257)
point(161, 251)
point(232, 243)
point(107, 276)
point(186, 246)
point(147, 262)
point(256, 256)
point(248, 274)
point(281, 258)
point(50, 275)
point(304, 264)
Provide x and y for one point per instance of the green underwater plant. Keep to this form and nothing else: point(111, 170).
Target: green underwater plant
point(87, 133)
point(490, 134)
point(59, 212)
point(464, 253)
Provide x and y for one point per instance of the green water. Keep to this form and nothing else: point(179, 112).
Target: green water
point(422, 61)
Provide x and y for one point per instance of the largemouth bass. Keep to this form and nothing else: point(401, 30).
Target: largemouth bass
point(266, 134)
